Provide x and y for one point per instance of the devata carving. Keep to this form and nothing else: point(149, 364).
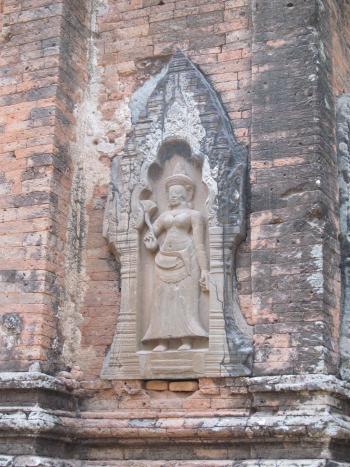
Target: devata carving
point(181, 268)
point(174, 218)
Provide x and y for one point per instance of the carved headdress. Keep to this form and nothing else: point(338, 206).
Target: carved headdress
point(180, 178)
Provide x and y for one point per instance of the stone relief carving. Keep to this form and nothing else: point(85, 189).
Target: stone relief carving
point(174, 218)
point(181, 267)
point(343, 142)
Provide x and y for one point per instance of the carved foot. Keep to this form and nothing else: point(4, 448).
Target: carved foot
point(160, 348)
point(186, 345)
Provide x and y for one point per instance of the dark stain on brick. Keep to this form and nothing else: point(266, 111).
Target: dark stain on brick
point(12, 323)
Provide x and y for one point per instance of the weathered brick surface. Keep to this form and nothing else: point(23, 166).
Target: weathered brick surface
point(340, 21)
point(135, 40)
point(295, 254)
point(157, 385)
point(33, 168)
point(67, 72)
point(183, 386)
point(289, 211)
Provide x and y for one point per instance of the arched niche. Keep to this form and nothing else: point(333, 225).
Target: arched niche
point(180, 120)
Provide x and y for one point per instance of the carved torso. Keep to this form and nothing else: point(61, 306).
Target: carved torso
point(178, 225)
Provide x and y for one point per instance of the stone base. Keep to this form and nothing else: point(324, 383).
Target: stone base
point(172, 364)
point(280, 418)
point(37, 461)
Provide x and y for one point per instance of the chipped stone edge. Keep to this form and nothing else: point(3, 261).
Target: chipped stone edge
point(279, 383)
point(30, 380)
point(231, 429)
point(36, 461)
point(317, 425)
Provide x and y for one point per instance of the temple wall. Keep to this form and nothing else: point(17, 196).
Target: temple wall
point(35, 188)
point(69, 74)
point(135, 42)
point(231, 44)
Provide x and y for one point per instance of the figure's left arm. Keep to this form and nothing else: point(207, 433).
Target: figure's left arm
point(198, 227)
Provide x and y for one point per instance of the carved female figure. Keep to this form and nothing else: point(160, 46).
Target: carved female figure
point(181, 269)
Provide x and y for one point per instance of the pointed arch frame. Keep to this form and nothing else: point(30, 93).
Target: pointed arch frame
point(182, 107)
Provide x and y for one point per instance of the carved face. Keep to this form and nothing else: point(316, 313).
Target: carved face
point(177, 194)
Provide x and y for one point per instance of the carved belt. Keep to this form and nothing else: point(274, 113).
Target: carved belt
point(174, 266)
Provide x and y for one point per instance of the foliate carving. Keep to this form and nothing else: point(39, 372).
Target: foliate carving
point(175, 216)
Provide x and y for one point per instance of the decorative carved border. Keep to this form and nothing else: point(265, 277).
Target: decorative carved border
point(343, 147)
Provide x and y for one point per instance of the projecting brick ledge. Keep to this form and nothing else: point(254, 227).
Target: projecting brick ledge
point(25, 461)
point(302, 414)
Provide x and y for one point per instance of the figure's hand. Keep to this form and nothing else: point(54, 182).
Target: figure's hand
point(150, 241)
point(204, 281)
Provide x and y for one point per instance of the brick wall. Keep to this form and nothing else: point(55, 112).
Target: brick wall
point(295, 254)
point(42, 69)
point(340, 16)
point(29, 81)
point(135, 40)
point(293, 295)
point(69, 69)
